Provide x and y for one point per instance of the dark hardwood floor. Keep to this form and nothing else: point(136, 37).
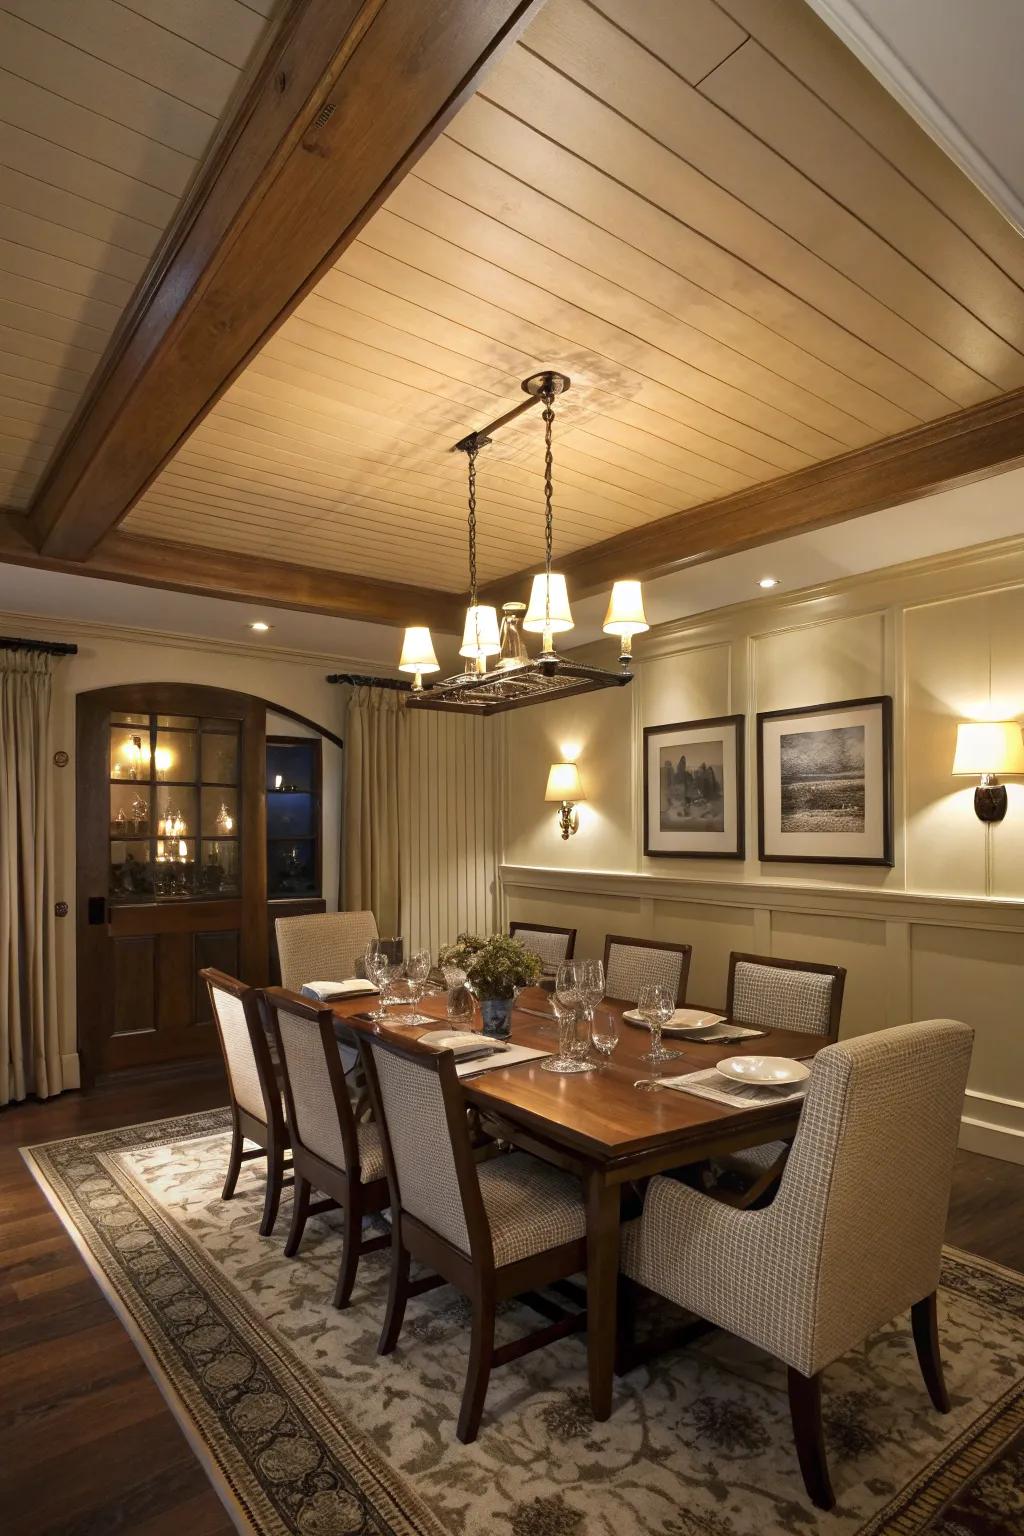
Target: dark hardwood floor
point(89, 1445)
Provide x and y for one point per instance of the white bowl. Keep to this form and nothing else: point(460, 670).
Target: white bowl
point(767, 1071)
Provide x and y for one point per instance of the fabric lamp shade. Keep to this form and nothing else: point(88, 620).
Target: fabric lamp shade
point(555, 614)
point(564, 783)
point(626, 614)
point(995, 747)
point(480, 636)
point(418, 651)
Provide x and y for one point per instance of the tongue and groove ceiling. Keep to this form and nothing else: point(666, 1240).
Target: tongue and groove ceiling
point(743, 251)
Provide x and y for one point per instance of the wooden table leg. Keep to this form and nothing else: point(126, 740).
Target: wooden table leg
point(602, 1284)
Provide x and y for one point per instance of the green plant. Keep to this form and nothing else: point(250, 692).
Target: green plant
point(496, 967)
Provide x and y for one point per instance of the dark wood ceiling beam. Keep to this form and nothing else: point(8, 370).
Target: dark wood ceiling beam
point(346, 97)
point(242, 578)
point(974, 443)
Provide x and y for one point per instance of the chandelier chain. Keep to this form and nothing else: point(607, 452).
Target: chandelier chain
point(471, 454)
point(549, 520)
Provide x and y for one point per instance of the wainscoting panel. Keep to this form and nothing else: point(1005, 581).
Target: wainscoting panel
point(858, 943)
point(714, 933)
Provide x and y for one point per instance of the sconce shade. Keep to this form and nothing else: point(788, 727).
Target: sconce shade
point(625, 614)
point(556, 615)
point(418, 652)
point(995, 747)
point(564, 783)
point(480, 636)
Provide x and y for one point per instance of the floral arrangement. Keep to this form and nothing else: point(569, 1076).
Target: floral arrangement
point(496, 967)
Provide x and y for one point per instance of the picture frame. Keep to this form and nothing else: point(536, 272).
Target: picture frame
point(825, 783)
point(694, 805)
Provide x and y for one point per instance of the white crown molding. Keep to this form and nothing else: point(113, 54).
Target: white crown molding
point(850, 24)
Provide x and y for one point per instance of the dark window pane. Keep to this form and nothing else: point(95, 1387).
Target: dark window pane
point(290, 814)
point(291, 869)
point(291, 765)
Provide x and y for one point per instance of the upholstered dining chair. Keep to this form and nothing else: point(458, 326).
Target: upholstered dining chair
point(322, 946)
point(630, 964)
point(769, 993)
point(854, 1235)
point(495, 1229)
point(256, 1112)
point(330, 1151)
point(550, 945)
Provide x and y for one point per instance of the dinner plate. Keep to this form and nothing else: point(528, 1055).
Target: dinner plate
point(682, 1021)
point(767, 1071)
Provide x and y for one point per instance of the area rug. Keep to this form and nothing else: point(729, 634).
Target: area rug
point(306, 1432)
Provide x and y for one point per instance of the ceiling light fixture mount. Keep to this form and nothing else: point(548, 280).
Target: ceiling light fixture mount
point(518, 680)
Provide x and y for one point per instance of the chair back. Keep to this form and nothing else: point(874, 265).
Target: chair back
point(243, 1044)
point(550, 945)
point(322, 946)
point(431, 1174)
point(785, 994)
point(859, 1218)
point(630, 964)
point(320, 1114)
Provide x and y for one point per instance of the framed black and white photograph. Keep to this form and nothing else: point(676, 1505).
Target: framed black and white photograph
point(825, 783)
point(693, 789)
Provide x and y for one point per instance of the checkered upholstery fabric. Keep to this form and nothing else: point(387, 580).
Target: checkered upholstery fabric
point(322, 946)
point(550, 948)
point(371, 1151)
point(428, 1184)
point(238, 1053)
point(632, 966)
point(530, 1206)
point(316, 1112)
point(854, 1235)
point(774, 997)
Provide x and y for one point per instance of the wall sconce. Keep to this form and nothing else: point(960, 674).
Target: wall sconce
point(564, 786)
point(989, 748)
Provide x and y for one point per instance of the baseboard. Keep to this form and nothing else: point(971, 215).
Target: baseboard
point(993, 1126)
point(71, 1070)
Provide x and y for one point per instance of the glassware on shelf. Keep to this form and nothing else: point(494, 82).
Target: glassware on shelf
point(225, 822)
point(139, 815)
point(569, 1009)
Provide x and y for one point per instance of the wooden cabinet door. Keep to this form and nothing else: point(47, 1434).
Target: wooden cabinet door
point(171, 848)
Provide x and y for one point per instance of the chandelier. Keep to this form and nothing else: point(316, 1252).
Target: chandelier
point(517, 679)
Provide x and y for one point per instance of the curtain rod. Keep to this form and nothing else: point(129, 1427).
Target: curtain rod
point(50, 647)
point(358, 681)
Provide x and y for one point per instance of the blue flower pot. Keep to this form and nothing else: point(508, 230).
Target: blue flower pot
point(497, 1016)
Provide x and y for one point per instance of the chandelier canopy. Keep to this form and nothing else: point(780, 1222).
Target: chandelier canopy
point(518, 680)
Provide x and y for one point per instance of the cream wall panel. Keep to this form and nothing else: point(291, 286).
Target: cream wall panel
point(593, 916)
point(714, 932)
point(1005, 615)
point(816, 663)
point(691, 685)
point(857, 943)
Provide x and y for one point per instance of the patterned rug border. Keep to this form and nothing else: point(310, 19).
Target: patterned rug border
point(238, 1481)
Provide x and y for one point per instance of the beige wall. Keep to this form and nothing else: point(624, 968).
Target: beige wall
point(941, 933)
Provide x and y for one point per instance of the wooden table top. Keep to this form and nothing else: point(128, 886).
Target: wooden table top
point(601, 1113)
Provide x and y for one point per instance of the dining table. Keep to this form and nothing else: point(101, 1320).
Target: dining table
point(601, 1127)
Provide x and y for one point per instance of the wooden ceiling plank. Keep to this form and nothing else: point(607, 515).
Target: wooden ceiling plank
point(728, 294)
point(242, 578)
point(572, 36)
point(784, 113)
point(57, 240)
point(801, 41)
point(65, 168)
point(282, 194)
point(96, 314)
point(971, 444)
point(715, 337)
point(527, 86)
point(692, 36)
point(20, 362)
point(63, 331)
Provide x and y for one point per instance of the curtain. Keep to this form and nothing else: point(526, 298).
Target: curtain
point(376, 791)
point(30, 1060)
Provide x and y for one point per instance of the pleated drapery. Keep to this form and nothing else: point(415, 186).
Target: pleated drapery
point(376, 791)
point(30, 1059)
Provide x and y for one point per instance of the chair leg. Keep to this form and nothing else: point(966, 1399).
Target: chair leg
point(352, 1237)
point(300, 1211)
point(234, 1163)
point(275, 1183)
point(398, 1294)
point(925, 1322)
point(481, 1351)
point(805, 1410)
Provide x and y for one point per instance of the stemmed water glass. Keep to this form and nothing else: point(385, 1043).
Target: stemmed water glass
point(417, 970)
point(377, 965)
point(656, 1005)
point(568, 1005)
point(604, 1033)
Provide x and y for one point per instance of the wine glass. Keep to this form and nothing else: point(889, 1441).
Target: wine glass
point(417, 970)
point(591, 985)
point(377, 965)
point(568, 1006)
point(604, 1033)
point(656, 1004)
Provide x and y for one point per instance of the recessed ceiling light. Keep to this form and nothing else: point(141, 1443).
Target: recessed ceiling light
point(768, 581)
point(259, 626)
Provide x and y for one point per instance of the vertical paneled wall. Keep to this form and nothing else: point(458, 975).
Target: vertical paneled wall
point(450, 858)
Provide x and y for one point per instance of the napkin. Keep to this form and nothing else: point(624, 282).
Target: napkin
point(336, 991)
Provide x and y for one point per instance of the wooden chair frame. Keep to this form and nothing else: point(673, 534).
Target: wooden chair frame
point(476, 1276)
point(686, 950)
point(343, 1188)
point(272, 1138)
point(570, 933)
point(837, 972)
